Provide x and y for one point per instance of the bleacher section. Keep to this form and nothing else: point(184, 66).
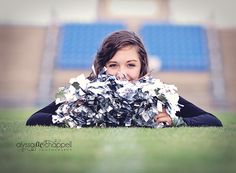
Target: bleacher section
point(178, 47)
point(79, 43)
point(181, 48)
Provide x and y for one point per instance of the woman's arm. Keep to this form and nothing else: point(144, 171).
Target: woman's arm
point(194, 116)
point(190, 113)
point(43, 116)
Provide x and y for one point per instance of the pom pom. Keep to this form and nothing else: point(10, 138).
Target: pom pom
point(109, 102)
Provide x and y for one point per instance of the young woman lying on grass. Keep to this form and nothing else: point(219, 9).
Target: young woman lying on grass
point(123, 55)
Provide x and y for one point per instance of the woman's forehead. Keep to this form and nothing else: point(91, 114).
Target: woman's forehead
point(126, 53)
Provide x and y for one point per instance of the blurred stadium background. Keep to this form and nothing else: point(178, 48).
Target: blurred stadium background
point(191, 44)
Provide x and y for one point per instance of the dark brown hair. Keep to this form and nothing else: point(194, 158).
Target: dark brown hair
point(113, 43)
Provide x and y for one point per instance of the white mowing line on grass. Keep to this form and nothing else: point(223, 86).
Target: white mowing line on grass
point(121, 153)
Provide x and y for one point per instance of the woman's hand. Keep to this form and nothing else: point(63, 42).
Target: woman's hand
point(163, 117)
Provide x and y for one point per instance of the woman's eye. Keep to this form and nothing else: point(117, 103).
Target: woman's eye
point(112, 65)
point(131, 65)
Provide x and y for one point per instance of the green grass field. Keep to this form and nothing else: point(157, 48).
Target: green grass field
point(118, 150)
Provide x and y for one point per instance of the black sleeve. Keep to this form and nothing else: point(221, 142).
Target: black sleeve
point(43, 116)
point(195, 116)
point(191, 114)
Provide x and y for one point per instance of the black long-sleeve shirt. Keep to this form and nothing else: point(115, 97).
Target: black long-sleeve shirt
point(191, 114)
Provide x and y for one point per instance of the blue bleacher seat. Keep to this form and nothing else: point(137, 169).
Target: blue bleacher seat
point(78, 43)
point(178, 47)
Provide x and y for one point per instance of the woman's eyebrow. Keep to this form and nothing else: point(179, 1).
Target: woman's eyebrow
point(111, 62)
point(132, 60)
